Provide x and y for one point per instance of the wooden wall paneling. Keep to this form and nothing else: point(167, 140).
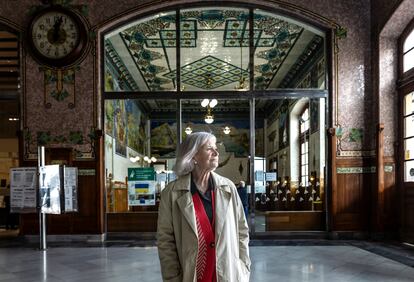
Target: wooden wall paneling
point(408, 207)
point(59, 224)
point(87, 215)
point(294, 221)
point(132, 222)
point(100, 178)
point(391, 204)
point(331, 193)
point(29, 224)
point(89, 218)
point(349, 214)
point(353, 195)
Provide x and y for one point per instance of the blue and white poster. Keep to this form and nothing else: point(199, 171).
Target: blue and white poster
point(141, 186)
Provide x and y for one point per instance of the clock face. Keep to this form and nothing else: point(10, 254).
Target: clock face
point(55, 34)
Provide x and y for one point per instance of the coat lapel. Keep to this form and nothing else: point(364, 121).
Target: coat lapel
point(223, 196)
point(185, 202)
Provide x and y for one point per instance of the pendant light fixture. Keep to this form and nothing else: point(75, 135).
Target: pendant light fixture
point(209, 104)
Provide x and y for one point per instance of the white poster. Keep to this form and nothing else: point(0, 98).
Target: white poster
point(23, 183)
point(71, 189)
point(50, 189)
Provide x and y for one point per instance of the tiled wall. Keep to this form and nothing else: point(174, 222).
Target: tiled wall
point(387, 75)
point(355, 109)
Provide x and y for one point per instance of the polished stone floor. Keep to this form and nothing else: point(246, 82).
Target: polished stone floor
point(283, 261)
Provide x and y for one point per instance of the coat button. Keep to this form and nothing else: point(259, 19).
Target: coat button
point(212, 245)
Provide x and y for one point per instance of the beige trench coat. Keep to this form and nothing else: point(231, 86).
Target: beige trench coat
point(177, 233)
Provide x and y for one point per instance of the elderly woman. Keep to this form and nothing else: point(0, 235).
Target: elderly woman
point(202, 231)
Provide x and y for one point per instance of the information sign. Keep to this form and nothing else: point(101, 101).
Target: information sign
point(141, 186)
point(50, 189)
point(71, 189)
point(23, 183)
point(271, 176)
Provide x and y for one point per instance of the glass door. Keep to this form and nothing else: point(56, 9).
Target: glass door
point(140, 138)
point(407, 165)
point(229, 121)
point(289, 164)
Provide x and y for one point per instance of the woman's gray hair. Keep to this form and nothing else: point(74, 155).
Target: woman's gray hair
point(188, 149)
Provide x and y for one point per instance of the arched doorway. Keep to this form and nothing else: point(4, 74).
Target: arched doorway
point(256, 65)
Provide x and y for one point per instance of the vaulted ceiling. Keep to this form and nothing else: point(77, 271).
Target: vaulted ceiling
point(214, 51)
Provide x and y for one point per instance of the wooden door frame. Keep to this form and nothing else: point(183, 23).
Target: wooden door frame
point(402, 185)
point(405, 85)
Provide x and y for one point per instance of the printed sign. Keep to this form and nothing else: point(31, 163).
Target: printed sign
point(141, 186)
point(23, 183)
point(50, 190)
point(271, 176)
point(71, 189)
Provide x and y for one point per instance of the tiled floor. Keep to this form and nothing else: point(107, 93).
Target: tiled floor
point(316, 263)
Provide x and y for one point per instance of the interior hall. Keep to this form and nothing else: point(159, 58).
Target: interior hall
point(311, 104)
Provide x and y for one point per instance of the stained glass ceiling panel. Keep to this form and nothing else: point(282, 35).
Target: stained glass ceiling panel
point(214, 42)
point(139, 54)
point(216, 61)
point(292, 59)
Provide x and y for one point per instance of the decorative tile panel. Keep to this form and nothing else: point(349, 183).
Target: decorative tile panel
point(353, 170)
point(356, 170)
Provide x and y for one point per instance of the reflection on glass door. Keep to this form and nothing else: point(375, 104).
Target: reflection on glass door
point(229, 121)
point(289, 164)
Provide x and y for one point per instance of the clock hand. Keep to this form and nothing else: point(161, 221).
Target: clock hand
point(56, 28)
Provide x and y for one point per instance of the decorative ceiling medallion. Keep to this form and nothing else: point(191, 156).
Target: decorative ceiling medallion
point(209, 73)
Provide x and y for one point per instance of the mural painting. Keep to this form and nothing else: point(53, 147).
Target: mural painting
point(120, 128)
point(136, 125)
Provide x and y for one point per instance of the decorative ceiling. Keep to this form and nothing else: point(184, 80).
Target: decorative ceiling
point(214, 42)
point(209, 73)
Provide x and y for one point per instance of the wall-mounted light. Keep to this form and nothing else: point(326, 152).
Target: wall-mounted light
point(226, 130)
point(13, 119)
point(188, 130)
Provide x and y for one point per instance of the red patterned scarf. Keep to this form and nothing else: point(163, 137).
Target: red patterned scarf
point(206, 256)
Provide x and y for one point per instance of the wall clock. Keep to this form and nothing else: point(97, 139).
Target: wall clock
point(57, 36)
